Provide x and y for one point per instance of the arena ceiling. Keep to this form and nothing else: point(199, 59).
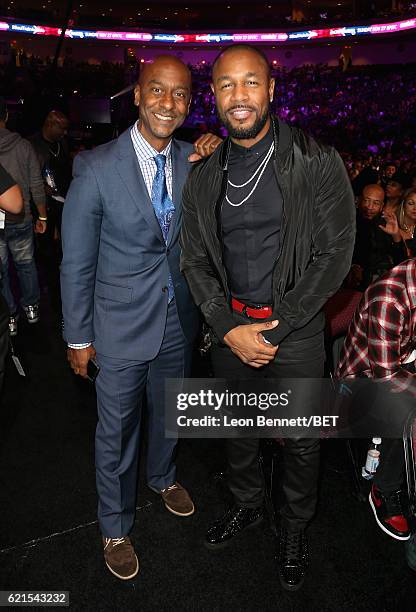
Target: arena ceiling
point(183, 15)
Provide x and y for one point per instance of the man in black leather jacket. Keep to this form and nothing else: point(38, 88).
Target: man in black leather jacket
point(378, 243)
point(267, 238)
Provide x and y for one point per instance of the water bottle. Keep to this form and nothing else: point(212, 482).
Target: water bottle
point(373, 459)
point(49, 178)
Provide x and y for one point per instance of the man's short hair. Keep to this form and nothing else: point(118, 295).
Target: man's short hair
point(3, 109)
point(244, 47)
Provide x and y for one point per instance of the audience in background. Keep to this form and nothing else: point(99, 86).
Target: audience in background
point(407, 221)
point(365, 112)
point(395, 187)
point(378, 242)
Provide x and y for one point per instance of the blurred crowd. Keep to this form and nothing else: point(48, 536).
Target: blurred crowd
point(367, 112)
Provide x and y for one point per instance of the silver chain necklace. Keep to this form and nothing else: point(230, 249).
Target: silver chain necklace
point(57, 151)
point(261, 168)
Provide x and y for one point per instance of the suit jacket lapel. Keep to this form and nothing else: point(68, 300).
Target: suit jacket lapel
point(180, 169)
point(130, 173)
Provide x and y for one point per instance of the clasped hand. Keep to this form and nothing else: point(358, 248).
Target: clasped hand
point(247, 342)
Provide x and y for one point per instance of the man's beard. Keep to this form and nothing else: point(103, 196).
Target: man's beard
point(242, 133)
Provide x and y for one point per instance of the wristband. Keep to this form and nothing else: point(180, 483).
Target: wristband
point(43, 218)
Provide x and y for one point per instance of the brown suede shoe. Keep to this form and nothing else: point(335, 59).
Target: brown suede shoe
point(177, 500)
point(120, 557)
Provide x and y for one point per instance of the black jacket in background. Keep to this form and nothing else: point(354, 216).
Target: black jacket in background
point(60, 166)
point(317, 234)
point(374, 250)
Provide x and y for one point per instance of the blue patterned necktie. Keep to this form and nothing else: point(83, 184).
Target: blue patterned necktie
point(163, 205)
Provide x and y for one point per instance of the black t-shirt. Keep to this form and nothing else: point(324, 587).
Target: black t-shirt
point(6, 181)
point(55, 156)
point(251, 231)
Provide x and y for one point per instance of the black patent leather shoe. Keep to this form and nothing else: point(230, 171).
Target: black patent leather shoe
point(292, 559)
point(231, 524)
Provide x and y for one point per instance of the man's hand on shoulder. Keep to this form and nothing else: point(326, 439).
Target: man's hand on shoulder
point(79, 358)
point(204, 147)
point(248, 344)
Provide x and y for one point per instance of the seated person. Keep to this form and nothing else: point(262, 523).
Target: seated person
point(369, 175)
point(395, 187)
point(377, 364)
point(407, 221)
point(388, 173)
point(378, 243)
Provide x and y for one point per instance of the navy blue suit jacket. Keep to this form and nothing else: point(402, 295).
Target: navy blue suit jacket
point(115, 263)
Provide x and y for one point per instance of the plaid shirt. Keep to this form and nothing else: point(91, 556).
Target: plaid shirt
point(382, 335)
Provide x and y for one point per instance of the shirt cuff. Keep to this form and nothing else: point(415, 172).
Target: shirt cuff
point(82, 345)
point(277, 334)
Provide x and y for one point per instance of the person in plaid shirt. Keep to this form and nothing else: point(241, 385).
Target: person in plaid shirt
point(381, 344)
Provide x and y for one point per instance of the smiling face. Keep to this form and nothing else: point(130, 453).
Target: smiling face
point(163, 95)
point(243, 91)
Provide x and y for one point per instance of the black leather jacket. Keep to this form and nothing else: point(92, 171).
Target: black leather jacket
point(375, 251)
point(317, 234)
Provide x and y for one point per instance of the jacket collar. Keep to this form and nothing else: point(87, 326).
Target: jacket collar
point(283, 142)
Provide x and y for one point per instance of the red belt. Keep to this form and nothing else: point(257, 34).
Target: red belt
point(255, 312)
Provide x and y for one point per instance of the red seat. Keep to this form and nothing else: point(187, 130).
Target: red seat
point(339, 310)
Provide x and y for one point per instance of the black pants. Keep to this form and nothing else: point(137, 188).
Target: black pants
point(299, 359)
point(4, 337)
point(376, 411)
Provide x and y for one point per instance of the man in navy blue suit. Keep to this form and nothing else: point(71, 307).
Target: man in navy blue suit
point(125, 302)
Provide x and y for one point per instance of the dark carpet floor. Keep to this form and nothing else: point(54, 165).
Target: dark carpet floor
point(49, 539)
